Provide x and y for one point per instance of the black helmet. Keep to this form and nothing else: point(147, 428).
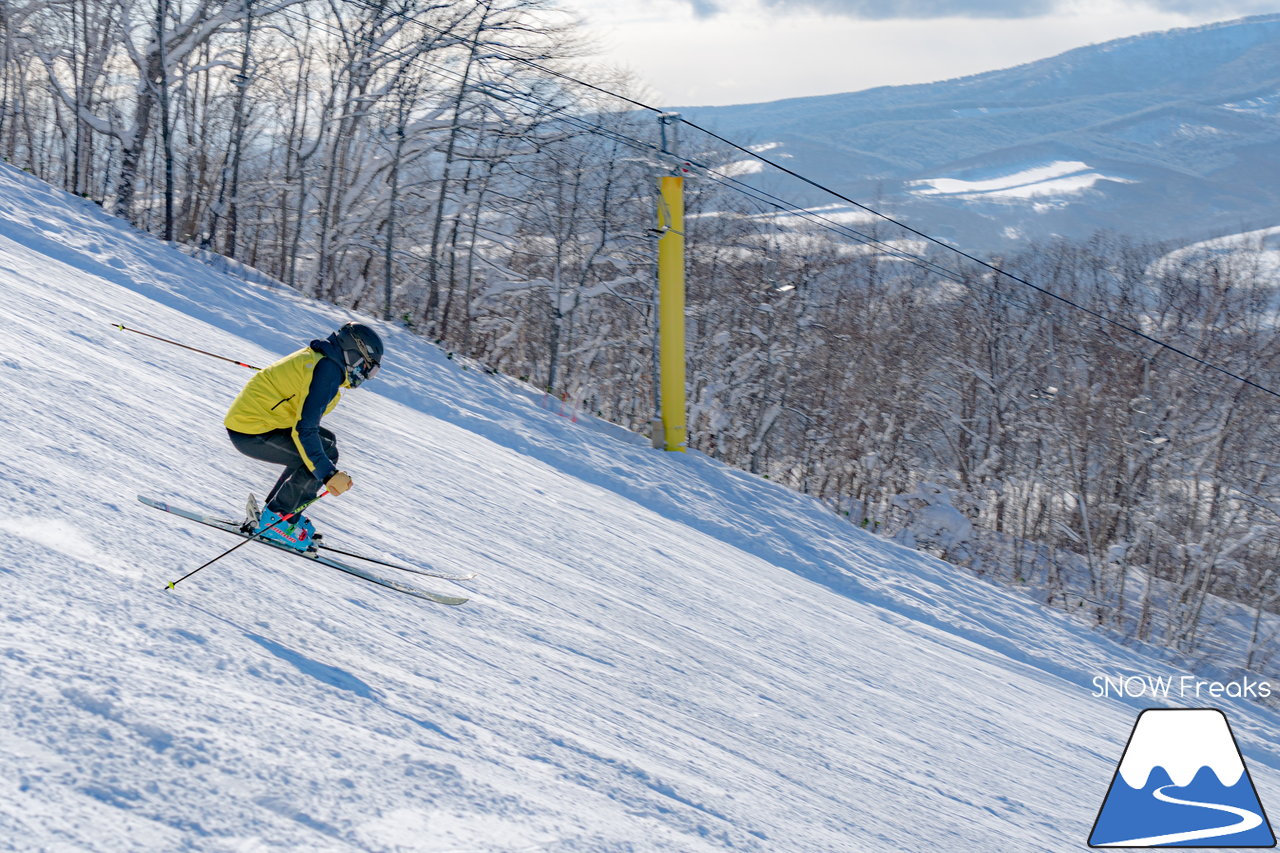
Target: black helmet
point(361, 350)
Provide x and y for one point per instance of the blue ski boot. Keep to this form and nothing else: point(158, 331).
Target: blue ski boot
point(297, 532)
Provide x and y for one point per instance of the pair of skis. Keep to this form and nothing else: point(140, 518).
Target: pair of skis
point(321, 556)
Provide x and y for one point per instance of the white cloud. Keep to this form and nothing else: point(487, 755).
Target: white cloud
point(926, 9)
point(753, 50)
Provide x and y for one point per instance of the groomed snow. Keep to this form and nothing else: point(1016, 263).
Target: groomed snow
point(1255, 254)
point(660, 654)
point(1061, 177)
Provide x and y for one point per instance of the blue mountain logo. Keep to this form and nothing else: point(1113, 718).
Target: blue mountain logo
point(1182, 783)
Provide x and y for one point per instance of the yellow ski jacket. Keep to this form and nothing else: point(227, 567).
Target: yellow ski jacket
point(274, 399)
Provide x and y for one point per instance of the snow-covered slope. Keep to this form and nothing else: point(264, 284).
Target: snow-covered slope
point(1256, 253)
point(1172, 135)
point(660, 654)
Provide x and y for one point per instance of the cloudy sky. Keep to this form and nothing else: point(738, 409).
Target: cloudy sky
point(694, 52)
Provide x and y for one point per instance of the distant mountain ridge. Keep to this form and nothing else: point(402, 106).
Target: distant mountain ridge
point(1175, 136)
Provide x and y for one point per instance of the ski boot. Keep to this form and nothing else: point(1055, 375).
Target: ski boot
point(296, 532)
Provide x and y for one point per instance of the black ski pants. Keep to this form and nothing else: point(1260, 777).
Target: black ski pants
point(297, 484)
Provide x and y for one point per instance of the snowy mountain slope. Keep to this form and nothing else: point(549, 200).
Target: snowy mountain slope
point(661, 653)
point(1255, 250)
point(1184, 123)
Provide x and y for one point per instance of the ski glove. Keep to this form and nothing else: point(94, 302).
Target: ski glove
point(338, 483)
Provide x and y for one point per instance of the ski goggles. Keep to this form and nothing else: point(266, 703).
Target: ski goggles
point(367, 369)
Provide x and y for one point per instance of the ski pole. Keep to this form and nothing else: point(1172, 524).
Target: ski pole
point(285, 517)
point(125, 328)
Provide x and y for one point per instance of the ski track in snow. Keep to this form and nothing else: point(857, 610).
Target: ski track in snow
point(59, 535)
point(660, 654)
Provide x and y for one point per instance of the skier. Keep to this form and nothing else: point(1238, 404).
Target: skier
point(276, 418)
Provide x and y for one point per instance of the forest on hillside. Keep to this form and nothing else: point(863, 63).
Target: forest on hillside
point(430, 163)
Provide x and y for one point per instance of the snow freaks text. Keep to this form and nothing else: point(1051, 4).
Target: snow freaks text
point(1179, 687)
